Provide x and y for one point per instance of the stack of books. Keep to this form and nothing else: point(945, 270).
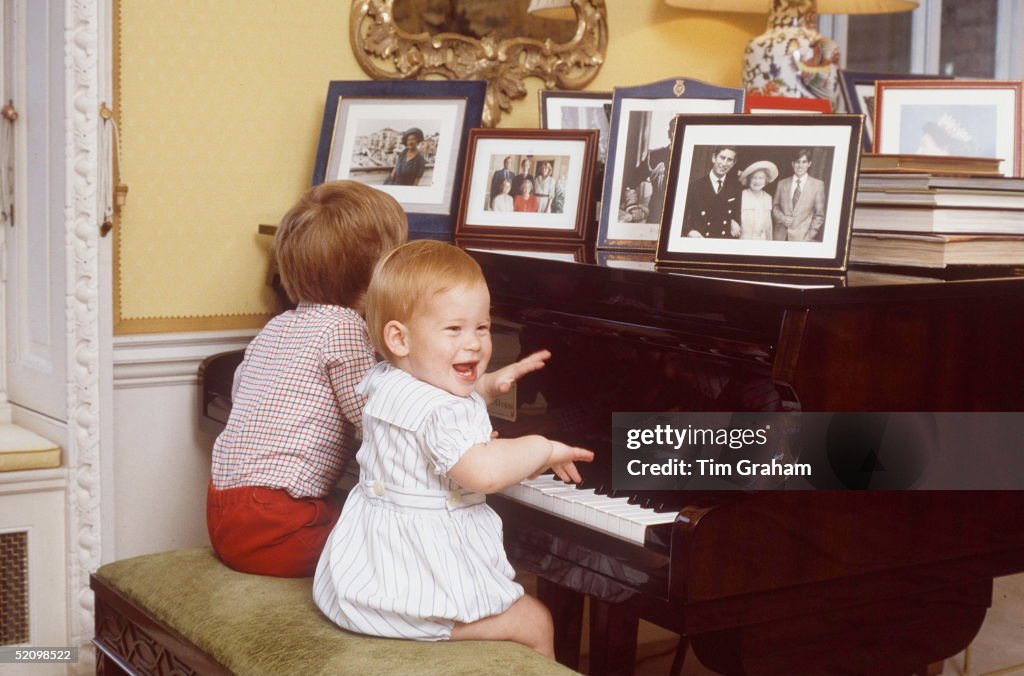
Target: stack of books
point(937, 212)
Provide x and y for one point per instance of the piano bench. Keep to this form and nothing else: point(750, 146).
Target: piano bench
point(184, 612)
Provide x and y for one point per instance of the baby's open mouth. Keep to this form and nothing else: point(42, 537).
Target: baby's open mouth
point(466, 370)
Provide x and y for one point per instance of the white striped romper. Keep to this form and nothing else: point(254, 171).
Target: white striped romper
point(414, 552)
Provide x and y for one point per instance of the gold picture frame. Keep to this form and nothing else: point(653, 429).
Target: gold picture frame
point(387, 52)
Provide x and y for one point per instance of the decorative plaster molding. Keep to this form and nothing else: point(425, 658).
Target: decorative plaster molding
point(170, 358)
point(140, 360)
point(82, 65)
point(33, 481)
point(386, 52)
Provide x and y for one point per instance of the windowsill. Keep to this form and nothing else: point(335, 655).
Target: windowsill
point(22, 450)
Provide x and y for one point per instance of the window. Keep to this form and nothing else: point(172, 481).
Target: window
point(974, 40)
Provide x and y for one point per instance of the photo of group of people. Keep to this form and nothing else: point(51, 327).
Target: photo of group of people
point(527, 183)
point(735, 192)
point(387, 152)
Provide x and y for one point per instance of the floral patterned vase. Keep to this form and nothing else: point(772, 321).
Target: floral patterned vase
point(791, 58)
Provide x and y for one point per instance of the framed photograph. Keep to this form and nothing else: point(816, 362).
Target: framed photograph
point(858, 89)
point(758, 104)
point(966, 118)
point(578, 110)
point(528, 185)
point(638, 154)
point(406, 138)
point(761, 192)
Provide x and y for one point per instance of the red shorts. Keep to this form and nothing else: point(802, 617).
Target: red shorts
point(268, 532)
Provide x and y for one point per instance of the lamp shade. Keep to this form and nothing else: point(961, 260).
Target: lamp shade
point(824, 6)
point(791, 58)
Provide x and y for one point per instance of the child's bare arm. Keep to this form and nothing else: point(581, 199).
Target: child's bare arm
point(492, 385)
point(490, 467)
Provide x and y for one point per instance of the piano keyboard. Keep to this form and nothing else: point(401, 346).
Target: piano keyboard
point(614, 516)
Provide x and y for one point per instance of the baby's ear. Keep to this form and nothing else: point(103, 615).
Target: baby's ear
point(396, 338)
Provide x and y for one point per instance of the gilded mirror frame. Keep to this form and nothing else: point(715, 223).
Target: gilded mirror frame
point(386, 52)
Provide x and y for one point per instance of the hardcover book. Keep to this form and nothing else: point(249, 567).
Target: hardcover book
point(936, 250)
point(926, 219)
point(935, 164)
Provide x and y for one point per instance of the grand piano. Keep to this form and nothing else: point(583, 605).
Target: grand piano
point(757, 582)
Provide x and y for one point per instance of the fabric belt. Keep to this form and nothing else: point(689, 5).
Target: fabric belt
point(420, 498)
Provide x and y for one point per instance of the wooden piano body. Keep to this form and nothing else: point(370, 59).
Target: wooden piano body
point(759, 582)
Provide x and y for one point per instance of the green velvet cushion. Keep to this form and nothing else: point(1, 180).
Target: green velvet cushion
point(265, 625)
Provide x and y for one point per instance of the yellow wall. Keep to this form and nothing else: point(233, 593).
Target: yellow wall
point(220, 106)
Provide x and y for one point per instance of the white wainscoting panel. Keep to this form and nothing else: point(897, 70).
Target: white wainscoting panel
point(32, 502)
point(161, 462)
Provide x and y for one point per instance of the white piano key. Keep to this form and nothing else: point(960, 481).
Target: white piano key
point(587, 503)
point(626, 525)
point(656, 518)
point(607, 513)
point(614, 516)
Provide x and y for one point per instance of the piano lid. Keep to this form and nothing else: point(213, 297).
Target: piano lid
point(580, 273)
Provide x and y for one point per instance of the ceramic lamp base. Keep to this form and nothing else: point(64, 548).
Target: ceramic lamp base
point(794, 62)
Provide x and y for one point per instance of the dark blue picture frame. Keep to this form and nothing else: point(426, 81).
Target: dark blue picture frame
point(421, 225)
point(672, 88)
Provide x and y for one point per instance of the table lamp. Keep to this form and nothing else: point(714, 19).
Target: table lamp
point(791, 58)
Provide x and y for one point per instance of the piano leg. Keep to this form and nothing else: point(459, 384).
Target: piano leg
point(613, 634)
point(566, 608)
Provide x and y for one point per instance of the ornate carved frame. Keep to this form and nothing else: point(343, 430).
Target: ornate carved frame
point(386, 52)
point(87, 57)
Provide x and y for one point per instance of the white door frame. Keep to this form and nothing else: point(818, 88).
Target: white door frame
point(90, 373)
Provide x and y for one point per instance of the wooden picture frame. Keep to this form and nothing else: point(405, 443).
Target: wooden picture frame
point(578, 110)
point(967, 118)
point(365, 125)
point(547, 196)
point(758, 218)
point(759, 104)
point(858, 90)
point(633, 192)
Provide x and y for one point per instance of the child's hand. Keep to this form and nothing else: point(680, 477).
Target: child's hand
point(562, 461)
point(493, 385)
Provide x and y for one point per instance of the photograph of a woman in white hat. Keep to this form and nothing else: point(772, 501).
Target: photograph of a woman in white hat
point(755, 201)
point(764, 216)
